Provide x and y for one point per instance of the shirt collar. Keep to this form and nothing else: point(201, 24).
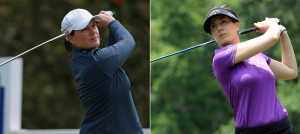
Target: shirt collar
point(80, 50)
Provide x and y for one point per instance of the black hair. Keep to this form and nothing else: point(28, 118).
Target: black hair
point(68, 45)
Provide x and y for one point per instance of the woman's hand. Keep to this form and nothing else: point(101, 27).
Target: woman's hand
point(263, 26)
point(104, 19)
point(256, 45)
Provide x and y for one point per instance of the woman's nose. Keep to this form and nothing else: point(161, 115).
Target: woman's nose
point(220, 28)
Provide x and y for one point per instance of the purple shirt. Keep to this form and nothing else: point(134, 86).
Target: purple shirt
point(249, 86)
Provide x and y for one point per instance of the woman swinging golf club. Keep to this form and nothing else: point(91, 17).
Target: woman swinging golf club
point(247, 76)
point(103, 85)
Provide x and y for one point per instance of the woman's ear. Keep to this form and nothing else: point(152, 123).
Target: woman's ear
point(237, 24)
point(70, 39)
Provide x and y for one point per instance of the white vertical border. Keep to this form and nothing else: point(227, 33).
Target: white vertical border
point(11, 78)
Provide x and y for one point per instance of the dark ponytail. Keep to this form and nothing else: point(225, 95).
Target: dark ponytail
point(68, 45)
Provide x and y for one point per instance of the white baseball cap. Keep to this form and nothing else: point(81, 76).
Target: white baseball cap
point(76, 19)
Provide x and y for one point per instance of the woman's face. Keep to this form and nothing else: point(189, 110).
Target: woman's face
point(86, 38)
point(224, 30)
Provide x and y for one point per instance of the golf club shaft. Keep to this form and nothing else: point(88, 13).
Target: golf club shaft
point(55, 38)
point(187, 49)
point(200, 45)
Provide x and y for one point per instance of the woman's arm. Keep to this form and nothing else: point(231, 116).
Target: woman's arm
point(119, 47)
point(113, 56)
point(287, 68)
point(256, 45)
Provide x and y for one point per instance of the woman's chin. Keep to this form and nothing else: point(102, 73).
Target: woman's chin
point(226, 43)
point(95, 44)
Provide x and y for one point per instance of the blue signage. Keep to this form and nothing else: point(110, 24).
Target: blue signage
point(1, 109)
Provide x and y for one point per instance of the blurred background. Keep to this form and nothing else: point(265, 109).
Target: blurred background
point(50, 96)
point(185, 96)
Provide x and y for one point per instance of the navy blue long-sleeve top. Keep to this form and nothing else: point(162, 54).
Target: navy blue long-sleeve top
point(104, 87)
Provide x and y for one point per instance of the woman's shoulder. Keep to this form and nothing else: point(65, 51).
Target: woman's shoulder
point(224, 57)
point(227, 49)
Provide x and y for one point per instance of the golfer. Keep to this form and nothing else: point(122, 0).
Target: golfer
point(247, 76)
point(104, 87)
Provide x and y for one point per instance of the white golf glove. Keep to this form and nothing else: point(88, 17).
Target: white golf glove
point(274, 19)
point(282, 28)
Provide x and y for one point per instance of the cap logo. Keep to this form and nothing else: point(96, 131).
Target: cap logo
point(214, 12)
point(231, 15)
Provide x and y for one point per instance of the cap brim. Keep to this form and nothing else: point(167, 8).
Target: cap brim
point(207, 24)
point(97, 18)
point(214, 13)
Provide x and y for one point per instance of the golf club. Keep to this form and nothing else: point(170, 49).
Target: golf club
point(55, 38)
point(203, 44)
point(112, 13)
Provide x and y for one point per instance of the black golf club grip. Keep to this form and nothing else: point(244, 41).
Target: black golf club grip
point(249, 30)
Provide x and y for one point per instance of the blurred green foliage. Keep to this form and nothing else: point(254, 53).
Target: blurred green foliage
point(185, 96)
point(50, 96)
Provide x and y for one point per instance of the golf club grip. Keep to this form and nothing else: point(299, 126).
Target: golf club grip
point(249, 30)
